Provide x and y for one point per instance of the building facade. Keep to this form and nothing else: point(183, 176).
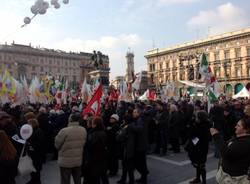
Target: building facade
point(23, 60)
point(228, 55)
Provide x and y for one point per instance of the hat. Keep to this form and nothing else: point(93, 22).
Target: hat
point(115, 116)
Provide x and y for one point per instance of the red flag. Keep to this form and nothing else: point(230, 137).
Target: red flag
point(152, 95)
point(94, 105)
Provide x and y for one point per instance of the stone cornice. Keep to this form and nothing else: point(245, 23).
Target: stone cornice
point(199, 43)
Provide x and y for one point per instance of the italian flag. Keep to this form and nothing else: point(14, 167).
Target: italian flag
point(210, 80)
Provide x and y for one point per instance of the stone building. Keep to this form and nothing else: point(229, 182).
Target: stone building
point(25, 60)
point(228, 55)
point(130, 71)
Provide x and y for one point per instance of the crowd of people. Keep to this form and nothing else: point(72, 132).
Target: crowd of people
point(89, 147)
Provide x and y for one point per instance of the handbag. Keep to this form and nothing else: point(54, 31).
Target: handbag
point(224, 178)
point(25, 164)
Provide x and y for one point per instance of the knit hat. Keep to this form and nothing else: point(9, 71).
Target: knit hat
point(115, 116)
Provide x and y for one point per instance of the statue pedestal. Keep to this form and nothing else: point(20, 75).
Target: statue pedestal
point(101, 75)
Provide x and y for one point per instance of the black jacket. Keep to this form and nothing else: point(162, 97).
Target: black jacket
point(8, 171)
point(198, 152)
point(235, 154)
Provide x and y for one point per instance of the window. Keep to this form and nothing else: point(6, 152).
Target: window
point(58, 70)
point(217, 56)
point(227, 54)
point(167, 64)
point(50, 61)
point(237, 52)
point(238, 72)
point(174, 77)
point(174, 63)
point(248, 51)
point(160, 66)
point(41, 61)
point(33, 68)
point(167, 77)
point(41, 69)
point(74, 78)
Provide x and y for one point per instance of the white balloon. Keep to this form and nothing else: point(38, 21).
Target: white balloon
point(57, 6)
point(53, 2)
point(66, 1)
point(27, 20)
point(42, 11)
point(34, 9)
point(26, 131)
point(45, 5)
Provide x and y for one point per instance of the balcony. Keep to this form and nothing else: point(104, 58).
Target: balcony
point(238, 59)
point(217, 62)
point(174, 68)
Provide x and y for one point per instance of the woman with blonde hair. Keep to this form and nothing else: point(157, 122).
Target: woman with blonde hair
point(8, 160)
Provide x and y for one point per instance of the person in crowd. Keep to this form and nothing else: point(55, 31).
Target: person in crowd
point(70, 142)
point(10, 129)
point(36, 150)
point(235, 159)
point(112, 144)
point(139, 128)
point(161, 120)
point(197, 145)
point(238, 110)
point(43, 121)
point(216, 115)
point(8, 160)
point(174, 128)
point(230, 123)
point(247, 110)
point(96, 148)
point(127, 138)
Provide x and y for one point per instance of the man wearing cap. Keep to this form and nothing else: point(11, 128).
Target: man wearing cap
point(113, 147)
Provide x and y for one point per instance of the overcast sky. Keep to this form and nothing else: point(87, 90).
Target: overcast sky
point(114, 26)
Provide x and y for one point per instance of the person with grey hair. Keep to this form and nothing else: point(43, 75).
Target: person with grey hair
point(70, 142)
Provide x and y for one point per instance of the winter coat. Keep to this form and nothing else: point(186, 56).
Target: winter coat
point(70, 142)
point(36, 148)
point(112, 144)
point(174, 125)
point(128, 139)
point(198, 152)
point(235, 154)
point(8, 171)
point(96, 148)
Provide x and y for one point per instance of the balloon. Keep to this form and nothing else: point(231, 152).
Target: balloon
point(27, 20)
point(53, 2)
point(45, 5)
point(66, 1)
point(34, 9)
point(57, 6)
point(42, 11)
point(26, 131)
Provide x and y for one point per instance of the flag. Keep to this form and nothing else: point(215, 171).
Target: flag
point(123, 91)
point(137, 82)
point(94, 105)
point(212, 96)
point(210, 80)
point(84, 91)
point(152, 95)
